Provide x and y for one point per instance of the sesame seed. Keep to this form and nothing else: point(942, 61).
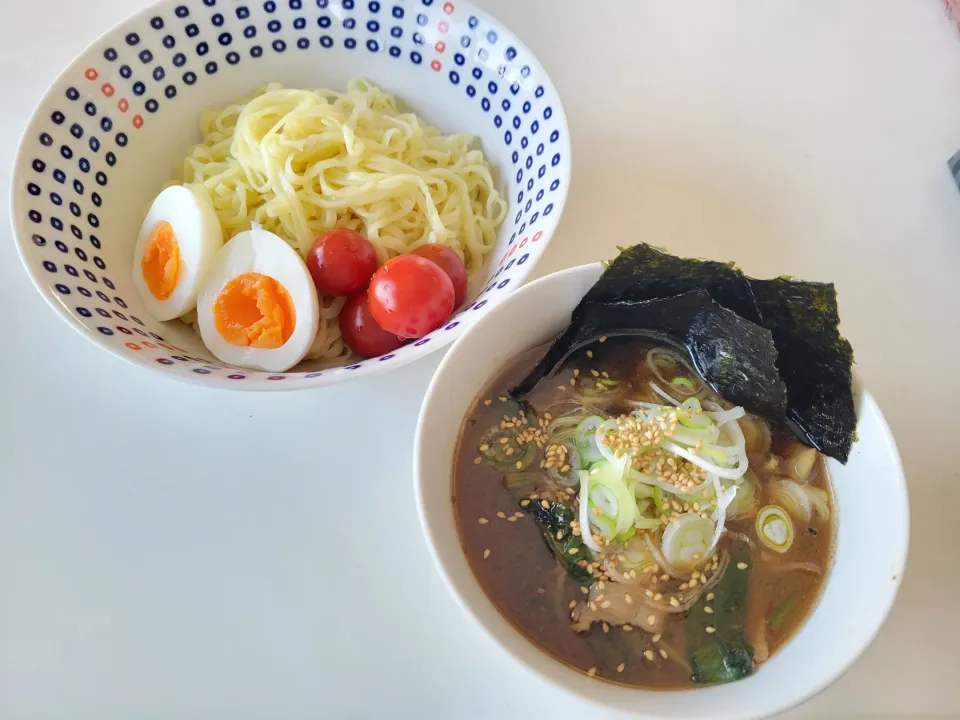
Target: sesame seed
point(663, 653)
point(627, 627)
point(741, 566)
point(595, 373)
point(512, 518)
point(524, 503)
point(584, 590)
point(605, 604)
point(544, 504)
point(565, 469)
point(519, 465)
point(620, 667)
point(503, 398)
point(572, 605)
point(573, 551)
point(651, 619)
point(487, 402)
point(658, 596)
point(589, 353)
point(648, 654)
point(477, 460)
point(606, 628)
point(649, 593)
point(656, 638)
point(576, 372)
point(501, 515)
point(592, 671)
point(711, 629)
point(486, 554)
point(482, 521)
point(674, 602)
point(710, 596)
point(603, 338)
point(561, 387)
point(708, 610)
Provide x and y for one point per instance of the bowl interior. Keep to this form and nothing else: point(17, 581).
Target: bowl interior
point(111, 130)
point(868, 561)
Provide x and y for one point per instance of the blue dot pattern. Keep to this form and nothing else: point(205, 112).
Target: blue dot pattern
point(72, 168)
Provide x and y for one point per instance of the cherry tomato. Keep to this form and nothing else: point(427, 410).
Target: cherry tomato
point(451, 264)
point(410, 296)
point(341, 262)
point(361, 332)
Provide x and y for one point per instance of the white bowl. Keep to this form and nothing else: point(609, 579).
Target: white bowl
point(871, 543)
point(110, 131)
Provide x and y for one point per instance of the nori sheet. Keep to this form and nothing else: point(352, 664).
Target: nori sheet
point(643, 272)
point(735, 356)
point(814, 361)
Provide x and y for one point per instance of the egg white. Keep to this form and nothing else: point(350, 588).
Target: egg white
point(197, 229)
point(260, 251)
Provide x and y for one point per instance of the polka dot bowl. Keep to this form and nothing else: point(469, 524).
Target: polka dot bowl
point(108, 135)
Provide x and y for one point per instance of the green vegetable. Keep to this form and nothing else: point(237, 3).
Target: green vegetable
point(684, 383)
point(723, 655)
point(775, 528)
point(781, 611)
point(658, 498)
point(743, 504)
point(586, 440)
point(556, 519)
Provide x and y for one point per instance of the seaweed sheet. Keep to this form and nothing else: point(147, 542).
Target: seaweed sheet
point(814, 361)
point(735, 356)
point(643, 272)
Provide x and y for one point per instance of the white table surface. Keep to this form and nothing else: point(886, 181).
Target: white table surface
point(169, 552)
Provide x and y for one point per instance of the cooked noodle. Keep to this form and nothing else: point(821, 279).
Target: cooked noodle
point(300, 162)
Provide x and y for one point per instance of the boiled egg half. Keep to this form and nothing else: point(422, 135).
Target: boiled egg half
point(176, 246)
point(258, 307)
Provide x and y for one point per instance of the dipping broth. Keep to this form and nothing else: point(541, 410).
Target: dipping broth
point(658, 596)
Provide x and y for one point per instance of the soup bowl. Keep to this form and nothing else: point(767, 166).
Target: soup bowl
point(868, 560)
point(112, 128)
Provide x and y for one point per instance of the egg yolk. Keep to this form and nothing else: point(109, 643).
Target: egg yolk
point(160, 263)
point(254, 310)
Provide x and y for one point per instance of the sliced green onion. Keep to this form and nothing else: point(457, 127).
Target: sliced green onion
point(658, 498)
point(586, 439)
point(743, 504)
point(686, 540)
point(793, 498)
point(781, 611)
point(775, 528)
point(684, 383)
point(645, 523)
point(626, 535)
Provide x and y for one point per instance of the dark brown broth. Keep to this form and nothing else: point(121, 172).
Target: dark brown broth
point(533, 592)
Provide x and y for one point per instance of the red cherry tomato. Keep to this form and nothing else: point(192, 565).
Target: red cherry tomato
point(410, 296)
point(451, 264)
point(361, 332)
point(341, 262)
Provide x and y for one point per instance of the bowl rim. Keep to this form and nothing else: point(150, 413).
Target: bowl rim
point(421, 457)
point(258, 379)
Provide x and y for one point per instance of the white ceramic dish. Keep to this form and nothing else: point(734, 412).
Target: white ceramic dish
point(871, 544)
point(109, 132)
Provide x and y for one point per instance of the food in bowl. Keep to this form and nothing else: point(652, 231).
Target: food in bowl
point(372, 200)
point(646, 499)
